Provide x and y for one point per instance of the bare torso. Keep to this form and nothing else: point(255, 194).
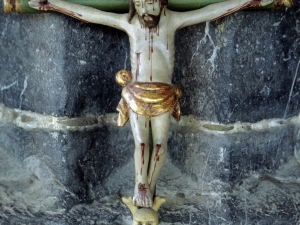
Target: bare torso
point(152, 50)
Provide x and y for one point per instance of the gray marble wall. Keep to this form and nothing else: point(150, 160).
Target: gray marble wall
point(233, 158)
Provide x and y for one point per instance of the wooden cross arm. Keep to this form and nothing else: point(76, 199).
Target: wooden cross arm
point(22, 6)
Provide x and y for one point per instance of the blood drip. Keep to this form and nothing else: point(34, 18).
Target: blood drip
point(151, 31)
point(156, 159)
point(138, 63)
point(150, 38)
point(151, 42)
point(143, 152)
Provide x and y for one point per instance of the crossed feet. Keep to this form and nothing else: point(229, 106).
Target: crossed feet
point(143, 196)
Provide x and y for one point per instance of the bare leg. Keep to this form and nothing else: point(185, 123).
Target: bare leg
point(160, 128)
point(143, 197)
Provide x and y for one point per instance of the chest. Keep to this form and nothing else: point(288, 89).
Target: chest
point(159, 38)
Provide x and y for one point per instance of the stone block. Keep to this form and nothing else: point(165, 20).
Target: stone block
point(54, 59)
point(214, 174)
point(78, 160)
point(240, 68)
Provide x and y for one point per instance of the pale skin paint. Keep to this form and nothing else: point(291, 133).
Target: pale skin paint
point(152, 60)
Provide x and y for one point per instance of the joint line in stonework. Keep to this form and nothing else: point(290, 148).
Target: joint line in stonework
point(49, 122)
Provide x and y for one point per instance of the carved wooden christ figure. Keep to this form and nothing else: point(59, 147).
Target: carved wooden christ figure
point(148, 95)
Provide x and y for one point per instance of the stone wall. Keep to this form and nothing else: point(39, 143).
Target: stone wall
point(233, 158)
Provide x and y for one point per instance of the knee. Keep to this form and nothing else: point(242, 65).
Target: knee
point(141, 147)
point(160, 149)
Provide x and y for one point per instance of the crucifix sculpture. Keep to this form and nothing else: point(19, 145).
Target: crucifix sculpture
point(148, 96)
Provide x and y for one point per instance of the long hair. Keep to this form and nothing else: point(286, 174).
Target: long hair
point(132, 10)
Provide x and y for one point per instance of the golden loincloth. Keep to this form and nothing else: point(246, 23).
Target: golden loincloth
point(149, 99)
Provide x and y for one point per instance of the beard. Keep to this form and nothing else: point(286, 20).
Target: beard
point(149, 20)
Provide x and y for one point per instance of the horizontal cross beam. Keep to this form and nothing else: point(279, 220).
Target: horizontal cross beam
point(22, 6)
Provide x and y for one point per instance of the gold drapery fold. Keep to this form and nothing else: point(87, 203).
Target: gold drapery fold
point(149, 99)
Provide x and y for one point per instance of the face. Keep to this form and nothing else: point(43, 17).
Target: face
point(145, 216)
point(149, 11)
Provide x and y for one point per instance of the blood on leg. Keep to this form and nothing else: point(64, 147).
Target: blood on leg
point(142, 194)
point(160, 128)
point(156, 159)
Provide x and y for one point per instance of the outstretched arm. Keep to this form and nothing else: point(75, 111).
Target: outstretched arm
point(214, 11)
point(83, 13)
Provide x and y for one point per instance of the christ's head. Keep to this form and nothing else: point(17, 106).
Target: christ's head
point(149, 11)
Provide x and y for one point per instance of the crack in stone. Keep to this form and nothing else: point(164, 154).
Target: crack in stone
point(291, 91)
point(24, 88)
point(213, 56)
point(6, 87)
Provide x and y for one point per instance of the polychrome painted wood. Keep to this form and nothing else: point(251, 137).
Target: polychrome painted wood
point(21, 6)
